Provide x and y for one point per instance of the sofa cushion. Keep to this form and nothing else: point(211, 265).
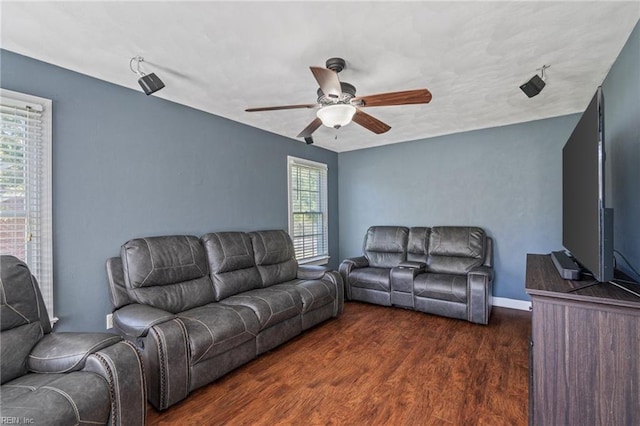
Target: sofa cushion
point(418, 244)
point(15, 346)
point(231, 263)
point(386, 246)
point(371, 278)
point(57, 399)
point(169, 273)
point(274, 256)
point(455, 249)
point(313, 293)
point(270, 305)
point(216, 328)
point(441, 286)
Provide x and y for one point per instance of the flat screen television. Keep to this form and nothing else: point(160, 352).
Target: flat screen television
point(587, 225)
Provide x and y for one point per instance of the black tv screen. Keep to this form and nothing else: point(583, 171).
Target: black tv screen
point(587, 226)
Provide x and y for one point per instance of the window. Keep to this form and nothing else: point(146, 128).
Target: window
point(25, 185)
point(308, 221)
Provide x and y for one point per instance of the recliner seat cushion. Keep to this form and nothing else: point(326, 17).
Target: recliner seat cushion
point(455, 249)
point(313, 293)
point(386, 246)
point(270, 305)
point(371, 278)
point(169, 273)
point(231, 262)
point(441, 286)
point(216, 328)
point(57, 399)
point(274, 256)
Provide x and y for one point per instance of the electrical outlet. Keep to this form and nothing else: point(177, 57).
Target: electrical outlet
point(109, 321)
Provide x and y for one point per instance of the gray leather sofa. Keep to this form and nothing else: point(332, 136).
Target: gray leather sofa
point(61, 378)
point(199, 308)
point(444, 270)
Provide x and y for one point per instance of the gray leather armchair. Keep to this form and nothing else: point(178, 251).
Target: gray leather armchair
point(61, 378)
point(444, 270)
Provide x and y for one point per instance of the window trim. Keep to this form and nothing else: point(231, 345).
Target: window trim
point(45, 281)
point(291, 160)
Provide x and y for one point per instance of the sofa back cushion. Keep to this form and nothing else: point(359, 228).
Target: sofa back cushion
point(418, 244)
point(455, 249)
point(386, 246)
point(275, 256)
point(231, 264)
point(23, 317)
point(169, 273)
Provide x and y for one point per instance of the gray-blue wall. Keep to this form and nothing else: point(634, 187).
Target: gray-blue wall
point(621, 91)
point(507, 180)
point(126, 165)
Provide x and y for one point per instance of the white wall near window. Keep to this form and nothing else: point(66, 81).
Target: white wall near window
point(26, 185)
point(308, 210)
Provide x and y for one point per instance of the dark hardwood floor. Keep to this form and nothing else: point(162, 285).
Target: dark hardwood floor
point(376, 366)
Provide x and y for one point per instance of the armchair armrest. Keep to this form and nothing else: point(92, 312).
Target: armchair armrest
point(66, 352)
point(311, 272)
point(484, 271)
point(135, 320)
point(121, 367)
point(480, 283)
point(347, 266)
point(357, 262)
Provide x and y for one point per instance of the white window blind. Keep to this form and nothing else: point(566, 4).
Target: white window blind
point(25, 185)
point(308, 213)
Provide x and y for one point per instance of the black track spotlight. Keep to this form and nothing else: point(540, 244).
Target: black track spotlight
point(150, 83)
point(535, 85)
point(308, 140)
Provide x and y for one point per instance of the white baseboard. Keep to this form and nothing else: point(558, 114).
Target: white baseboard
point(504, 302)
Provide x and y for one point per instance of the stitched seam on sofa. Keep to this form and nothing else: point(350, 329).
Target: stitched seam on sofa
point(376, 284)
point(112, 382)
point(213, 339)
point(31, 388)
point(156, 322)
point(232, 308)
point(163, 379)
point(143, 394)
point(88, 352)
point(68, 398)
point(185, 344)
point(313, 299)
point(193, 257)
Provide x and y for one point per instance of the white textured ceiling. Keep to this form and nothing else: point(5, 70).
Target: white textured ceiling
point(223, 57)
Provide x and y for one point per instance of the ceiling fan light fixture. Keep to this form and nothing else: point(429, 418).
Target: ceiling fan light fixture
point(336, 115)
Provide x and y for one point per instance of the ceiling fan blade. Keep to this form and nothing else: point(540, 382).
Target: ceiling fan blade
point(275, 108)
point(328, 81)
point(369, 122)
point(420, 96)
point(312, 127)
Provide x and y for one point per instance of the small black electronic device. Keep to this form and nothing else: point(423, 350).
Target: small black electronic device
point(533, 86)
point(150, 83)
point(567, 268)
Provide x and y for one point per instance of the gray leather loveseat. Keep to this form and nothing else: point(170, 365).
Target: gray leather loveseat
point(61, 378)
point(198, 308)
point(444, 270)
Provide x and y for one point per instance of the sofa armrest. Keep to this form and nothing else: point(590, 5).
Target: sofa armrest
point(135, 320)
point(121, 367)
point(419, 266)
point(66, 352)
point(347, 266)
point(480, 298)
point(311, 272)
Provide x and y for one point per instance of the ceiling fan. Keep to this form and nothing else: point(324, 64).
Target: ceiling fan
point(339, 104)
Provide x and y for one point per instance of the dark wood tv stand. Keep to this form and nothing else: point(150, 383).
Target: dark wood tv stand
point(585, 363)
